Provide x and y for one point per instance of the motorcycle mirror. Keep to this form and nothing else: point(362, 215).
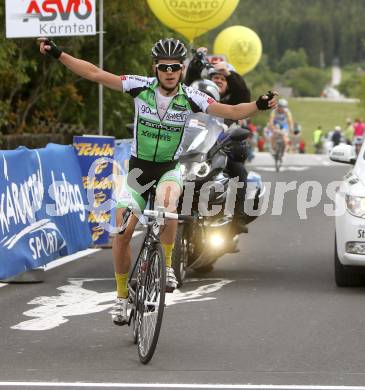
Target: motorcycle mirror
point(239, 134)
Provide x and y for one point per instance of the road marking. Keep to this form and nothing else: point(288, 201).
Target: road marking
point(175, 386)
point(67, 259)
point(76, 300)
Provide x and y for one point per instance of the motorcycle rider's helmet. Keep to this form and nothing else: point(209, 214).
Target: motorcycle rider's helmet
point(168, 49)
point(207, 87)
point(283, 103)
point(213, 71)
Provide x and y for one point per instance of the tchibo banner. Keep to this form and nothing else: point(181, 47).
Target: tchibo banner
point(42, 208)
point(47, 18)
point(96, 158)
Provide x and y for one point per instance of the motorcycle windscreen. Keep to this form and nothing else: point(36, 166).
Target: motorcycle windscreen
point(200, 134)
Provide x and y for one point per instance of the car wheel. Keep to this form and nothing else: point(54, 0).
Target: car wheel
point(345, 275)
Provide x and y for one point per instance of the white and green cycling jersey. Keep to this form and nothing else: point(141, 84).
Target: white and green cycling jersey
point(159, 139)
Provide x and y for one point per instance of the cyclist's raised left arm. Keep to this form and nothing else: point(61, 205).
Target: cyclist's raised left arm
point(242, 110)
point(238, 111)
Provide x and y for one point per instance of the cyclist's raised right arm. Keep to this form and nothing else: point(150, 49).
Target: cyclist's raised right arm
point(91, 72)
point(82, 68)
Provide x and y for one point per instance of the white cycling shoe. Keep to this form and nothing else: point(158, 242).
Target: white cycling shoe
point(119, 312)
point(171, 281)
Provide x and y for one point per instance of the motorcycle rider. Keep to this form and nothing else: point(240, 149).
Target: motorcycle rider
point(233, 90)
point(162, 106)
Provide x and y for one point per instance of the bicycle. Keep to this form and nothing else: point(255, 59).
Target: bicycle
point(147, 282)
point(279, 152)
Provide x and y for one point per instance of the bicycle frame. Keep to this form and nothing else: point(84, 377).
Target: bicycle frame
point(151, 237)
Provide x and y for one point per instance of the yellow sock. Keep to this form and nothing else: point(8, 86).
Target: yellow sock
point(122, 285)
point(168, 253)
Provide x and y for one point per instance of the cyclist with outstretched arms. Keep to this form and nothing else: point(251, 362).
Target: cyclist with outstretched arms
point(162, 104)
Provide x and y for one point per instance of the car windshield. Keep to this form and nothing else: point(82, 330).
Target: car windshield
point(200, 134)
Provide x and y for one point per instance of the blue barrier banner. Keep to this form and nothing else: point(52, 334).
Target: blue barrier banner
point(95, 155)
point(42, 208)
point(121, 158)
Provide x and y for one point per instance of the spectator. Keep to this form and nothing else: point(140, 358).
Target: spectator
point(359, 128)
point(318, 140)
point(295, 138)
point(302, 146)
point(349, 131)
point(336, 136)
point(261, 143)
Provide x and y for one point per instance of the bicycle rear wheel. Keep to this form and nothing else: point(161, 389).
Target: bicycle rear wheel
point(277, 161)
point(153, 303)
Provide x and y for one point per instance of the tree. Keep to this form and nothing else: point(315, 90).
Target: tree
point(292, 59)
point(307, 81)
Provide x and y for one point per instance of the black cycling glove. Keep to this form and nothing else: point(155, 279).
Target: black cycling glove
point(263, 104)
point(54, 51)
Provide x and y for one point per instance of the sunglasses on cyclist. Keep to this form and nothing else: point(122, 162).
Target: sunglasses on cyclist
point(169, 67)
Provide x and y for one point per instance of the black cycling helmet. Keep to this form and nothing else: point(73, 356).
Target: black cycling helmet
point(168, 49)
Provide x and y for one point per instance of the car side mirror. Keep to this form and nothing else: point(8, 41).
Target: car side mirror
point(343, 154)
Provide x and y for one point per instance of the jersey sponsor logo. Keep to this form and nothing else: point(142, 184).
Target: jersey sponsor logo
point(178, 107)
point(176, 116)
point(123, 77)
point(139, 78)
point(161, 136)
point(159, 126)
point(147, 110)
point(199, 93)
point(211, 100)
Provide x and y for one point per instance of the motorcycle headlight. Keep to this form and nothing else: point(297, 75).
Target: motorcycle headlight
point(201, 169)
point(356, 205)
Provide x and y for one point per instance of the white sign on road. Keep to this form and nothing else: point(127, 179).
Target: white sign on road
point(76, 300)
point(47, 18)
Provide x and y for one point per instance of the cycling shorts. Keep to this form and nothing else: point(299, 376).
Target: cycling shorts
point(142, 175)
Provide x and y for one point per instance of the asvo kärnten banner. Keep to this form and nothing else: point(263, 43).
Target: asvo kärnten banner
point(47, 18)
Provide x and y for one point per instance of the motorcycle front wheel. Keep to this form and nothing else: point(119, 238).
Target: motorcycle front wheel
point(180, 255)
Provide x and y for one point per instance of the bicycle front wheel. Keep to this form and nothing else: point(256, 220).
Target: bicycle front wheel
point(153, 303)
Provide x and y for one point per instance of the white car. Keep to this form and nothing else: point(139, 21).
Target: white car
point(350, 219)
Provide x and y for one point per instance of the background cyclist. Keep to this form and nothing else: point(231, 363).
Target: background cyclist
point(282, 117)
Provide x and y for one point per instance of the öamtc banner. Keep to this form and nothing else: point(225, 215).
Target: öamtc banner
point(42, 208)
point(39, 18)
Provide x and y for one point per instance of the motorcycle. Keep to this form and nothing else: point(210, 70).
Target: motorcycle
point(210, 195)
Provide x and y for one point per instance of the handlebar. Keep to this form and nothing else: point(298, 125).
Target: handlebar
point(155, 214)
